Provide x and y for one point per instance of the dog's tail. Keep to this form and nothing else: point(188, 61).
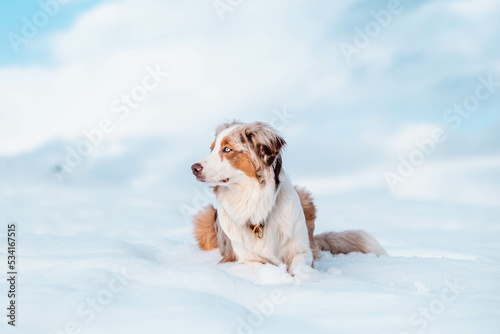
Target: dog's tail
point(347, 242)
point(208, 238)
point(204, 228)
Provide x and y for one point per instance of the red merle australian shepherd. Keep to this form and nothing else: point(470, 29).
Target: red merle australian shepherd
point(260, 216)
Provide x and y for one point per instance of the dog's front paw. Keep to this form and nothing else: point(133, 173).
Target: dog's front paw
point(304, 273)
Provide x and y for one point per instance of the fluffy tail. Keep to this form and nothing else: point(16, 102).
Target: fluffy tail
point(210, 236)
point(347, 242)
point(204, 228)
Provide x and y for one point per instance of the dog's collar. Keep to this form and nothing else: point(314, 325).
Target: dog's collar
point(258, 230)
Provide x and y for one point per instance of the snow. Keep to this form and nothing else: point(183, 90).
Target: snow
point(99, 257)
point(108, 248)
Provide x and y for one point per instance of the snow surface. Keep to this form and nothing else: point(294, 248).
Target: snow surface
point(129, 250)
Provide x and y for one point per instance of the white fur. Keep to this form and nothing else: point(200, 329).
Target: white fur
point(244, 199)
point(216, 169)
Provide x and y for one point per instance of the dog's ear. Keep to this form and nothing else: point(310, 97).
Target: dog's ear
point(266, 143)
point(268, 153)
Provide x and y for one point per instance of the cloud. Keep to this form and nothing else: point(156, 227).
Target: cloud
point(446, 175)
point(262, 56)
point(463, 181)
point(216, 71)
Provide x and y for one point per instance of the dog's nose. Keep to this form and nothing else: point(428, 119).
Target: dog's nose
point(196, 168)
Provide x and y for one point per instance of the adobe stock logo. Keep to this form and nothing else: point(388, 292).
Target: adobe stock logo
point(122, 106)
point(222, 7)
point(264, 310)
point(453, 118)
point(31, 26)
point(421, 320)
point(95, 304)
point(371, 30)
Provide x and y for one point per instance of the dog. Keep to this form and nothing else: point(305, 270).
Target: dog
point(261, 217)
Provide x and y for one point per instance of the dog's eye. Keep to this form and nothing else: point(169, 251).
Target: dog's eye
point(227, 149)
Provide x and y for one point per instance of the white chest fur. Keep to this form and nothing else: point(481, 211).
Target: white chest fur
point(285, 232)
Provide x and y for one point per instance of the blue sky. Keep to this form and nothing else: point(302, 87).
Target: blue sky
point(11, 21)
point(365, 111)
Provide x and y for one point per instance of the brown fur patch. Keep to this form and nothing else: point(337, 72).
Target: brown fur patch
point(210, 235)
point(306, 200)
point(226, 142)
point(265, 141)
point(239, 160)
point(204, 228)
point(243, 162)
point(265, 146)
point(212, 146)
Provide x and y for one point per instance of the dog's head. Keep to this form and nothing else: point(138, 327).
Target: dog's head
point(241, 152)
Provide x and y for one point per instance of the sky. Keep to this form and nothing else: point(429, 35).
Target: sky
point(354, 86)
point(12, 16)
